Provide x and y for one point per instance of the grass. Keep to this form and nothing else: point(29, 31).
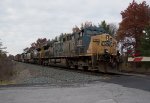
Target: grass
point(6, 82)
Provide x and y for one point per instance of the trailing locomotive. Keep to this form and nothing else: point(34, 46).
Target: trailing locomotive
point(86, 48)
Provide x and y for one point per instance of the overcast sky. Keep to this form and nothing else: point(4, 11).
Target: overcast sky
point(24, 21)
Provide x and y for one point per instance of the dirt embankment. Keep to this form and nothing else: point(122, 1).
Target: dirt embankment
point(12, 72)
point(6, 69)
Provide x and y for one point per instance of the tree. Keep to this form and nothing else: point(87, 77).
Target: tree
point(108, 28)
point(104, 26)
point(26, 50)
point(2, 52)
point(86, 24)
point(145, 42)
point(40, 42)
point(112, 29)
point(6, 65)
point(134, 20)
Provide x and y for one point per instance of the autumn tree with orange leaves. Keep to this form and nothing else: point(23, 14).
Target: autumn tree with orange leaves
point(134, 21)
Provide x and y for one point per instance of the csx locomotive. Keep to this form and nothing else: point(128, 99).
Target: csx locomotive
point(85, 48)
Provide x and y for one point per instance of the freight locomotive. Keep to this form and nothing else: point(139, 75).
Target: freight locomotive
point(87, 48)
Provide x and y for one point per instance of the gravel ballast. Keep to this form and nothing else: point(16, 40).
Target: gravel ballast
point(35, 74)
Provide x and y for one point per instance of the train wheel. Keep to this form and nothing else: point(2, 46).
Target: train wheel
point(76, 66)
point(85, 68)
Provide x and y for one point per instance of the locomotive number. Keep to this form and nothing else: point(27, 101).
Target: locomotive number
point(106, 43)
